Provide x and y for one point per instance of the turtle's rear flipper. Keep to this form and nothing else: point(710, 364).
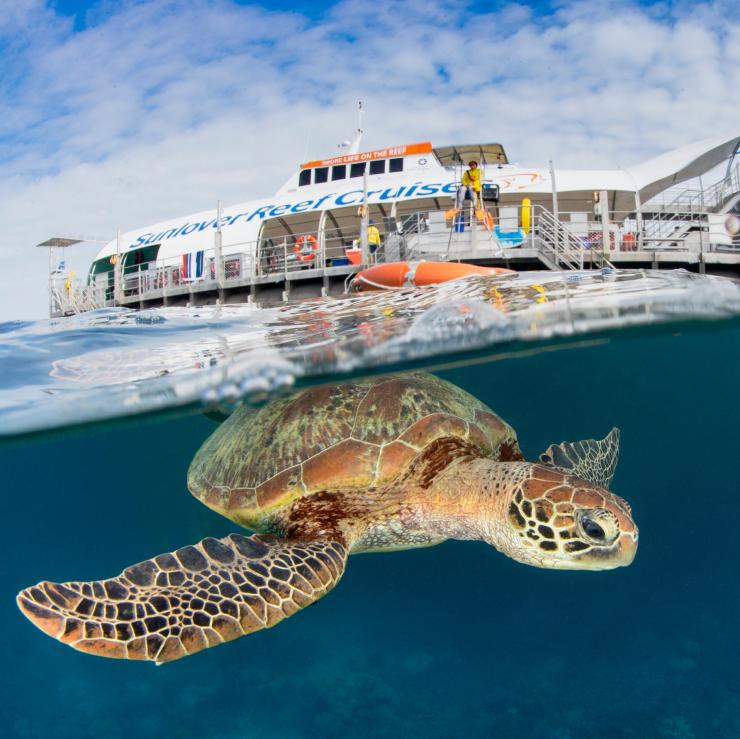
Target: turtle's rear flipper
point(177, 604)
point(590, 460)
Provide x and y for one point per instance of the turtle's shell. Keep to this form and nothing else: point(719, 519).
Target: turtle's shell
point(333, 437)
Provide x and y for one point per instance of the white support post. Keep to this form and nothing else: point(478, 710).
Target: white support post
point(604, 210)
point(638, 219)
point(118, 271)
point(555, 211)
point(218, 252)
point(165, 277)
point(51, 284)
point(322, 239)
point(364, 245)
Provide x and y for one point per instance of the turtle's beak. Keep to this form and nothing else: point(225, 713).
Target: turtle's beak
point(610, 558)
point(628, 547)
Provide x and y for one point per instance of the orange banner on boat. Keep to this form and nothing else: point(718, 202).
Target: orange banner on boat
point(424, 147)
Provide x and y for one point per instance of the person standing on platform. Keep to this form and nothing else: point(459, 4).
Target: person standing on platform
point(373, 237)
point(471, 182)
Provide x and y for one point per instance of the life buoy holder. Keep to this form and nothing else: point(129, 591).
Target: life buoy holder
point(306, 247)
point(394, 275)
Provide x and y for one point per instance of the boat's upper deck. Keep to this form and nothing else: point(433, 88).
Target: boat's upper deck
point(416, 177)
point(394, 164)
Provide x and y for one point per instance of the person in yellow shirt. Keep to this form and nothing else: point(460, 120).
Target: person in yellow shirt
point(471, 182)
point(373, 237)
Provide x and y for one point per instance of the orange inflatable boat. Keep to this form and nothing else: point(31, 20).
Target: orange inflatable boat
point(393, 275)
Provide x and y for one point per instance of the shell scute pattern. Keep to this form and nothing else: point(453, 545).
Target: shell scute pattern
point(348, 464)
point(285, 483)
point(396, 455)
point(336, 437)
point(432, 427)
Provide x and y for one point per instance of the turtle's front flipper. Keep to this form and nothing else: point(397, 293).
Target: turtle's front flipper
point(590, 460)
point(177, 604)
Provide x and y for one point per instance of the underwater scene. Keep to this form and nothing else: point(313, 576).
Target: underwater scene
point(498, 588)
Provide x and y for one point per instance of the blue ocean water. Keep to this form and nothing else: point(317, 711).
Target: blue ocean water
point(456, 640)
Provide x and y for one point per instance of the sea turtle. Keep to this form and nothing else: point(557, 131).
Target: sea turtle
point(383, 464)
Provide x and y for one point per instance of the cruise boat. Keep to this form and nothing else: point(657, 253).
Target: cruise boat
point(337, 216)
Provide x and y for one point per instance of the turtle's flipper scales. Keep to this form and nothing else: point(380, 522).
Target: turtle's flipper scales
point(197, 597)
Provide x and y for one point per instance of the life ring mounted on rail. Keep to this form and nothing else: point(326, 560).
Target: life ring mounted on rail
point(306, 247)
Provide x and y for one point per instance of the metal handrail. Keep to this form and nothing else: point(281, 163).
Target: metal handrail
point(694, 200)
point(555, 241)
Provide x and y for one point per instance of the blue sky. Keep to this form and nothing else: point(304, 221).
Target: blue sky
point(118, 113)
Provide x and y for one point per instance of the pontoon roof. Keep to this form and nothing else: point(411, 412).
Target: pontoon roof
point(679, 165)
point(449, 156)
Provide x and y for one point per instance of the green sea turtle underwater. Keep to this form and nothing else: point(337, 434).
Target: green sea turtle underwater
point(376, 465)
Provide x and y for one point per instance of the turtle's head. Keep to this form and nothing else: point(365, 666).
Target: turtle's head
point(559, 521)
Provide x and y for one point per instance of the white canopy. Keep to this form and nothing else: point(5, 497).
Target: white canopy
point(449, 156)
point(681, 164)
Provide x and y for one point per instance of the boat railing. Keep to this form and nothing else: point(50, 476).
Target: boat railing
point(301, 252)
point(697, 199)
point(558, 246)
point(70, 295)
point(649, 231)
point(571, 241)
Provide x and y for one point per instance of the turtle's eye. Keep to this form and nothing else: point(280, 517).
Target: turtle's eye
point(592, 529)
point(598, 525)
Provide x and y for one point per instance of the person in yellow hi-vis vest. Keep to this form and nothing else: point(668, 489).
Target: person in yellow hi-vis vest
point(470, 183)
point(373, 237)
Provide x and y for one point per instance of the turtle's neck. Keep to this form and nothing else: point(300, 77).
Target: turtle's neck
point(470, 498)
point(466, 499)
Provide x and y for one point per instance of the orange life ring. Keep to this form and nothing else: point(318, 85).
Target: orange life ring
point(404, 274)
point(306, 247)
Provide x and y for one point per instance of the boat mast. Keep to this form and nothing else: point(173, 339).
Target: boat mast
point(354, 146)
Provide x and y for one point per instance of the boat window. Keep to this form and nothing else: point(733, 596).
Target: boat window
point(395, 165)
point(139, 259)
point(377, 167)
point(357, 170)
point(101, 265)
point(321, 174)
point(304, 178)
point(339, 172)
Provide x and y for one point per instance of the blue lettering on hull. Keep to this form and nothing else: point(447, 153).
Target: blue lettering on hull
point(351, 197)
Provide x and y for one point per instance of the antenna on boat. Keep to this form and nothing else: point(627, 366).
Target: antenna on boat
point(354, 146)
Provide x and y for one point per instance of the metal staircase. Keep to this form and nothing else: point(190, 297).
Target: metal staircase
point(670, 224)
point(556, 246)
point(559, 248)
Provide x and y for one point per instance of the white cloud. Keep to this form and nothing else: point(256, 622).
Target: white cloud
point(162, 108)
